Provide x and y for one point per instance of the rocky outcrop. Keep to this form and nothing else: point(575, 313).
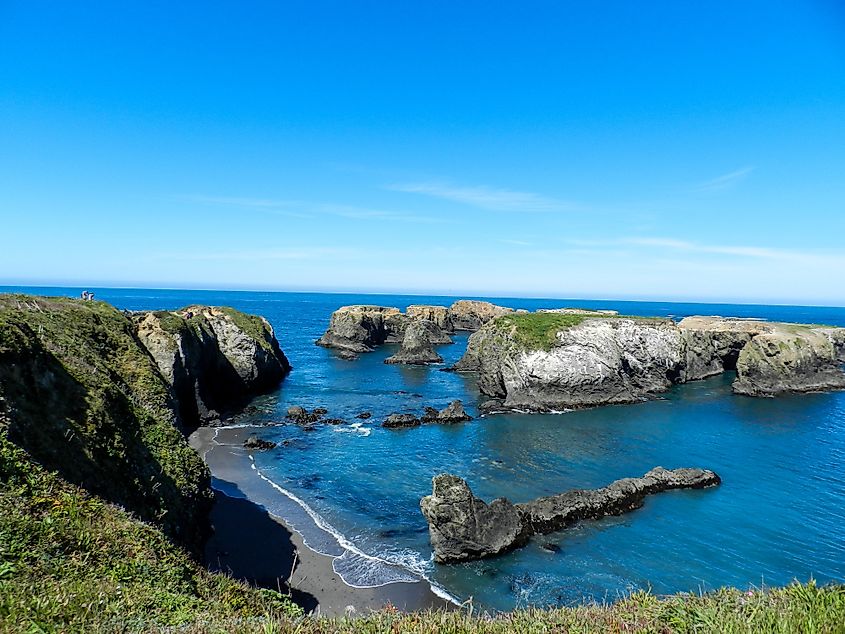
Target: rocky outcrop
point(454, 412)
point(214, 358)
point(557, 361)
point(399, 421)
point(258, 444)
point(468, 314)
point(712, 344)
point(417, 348)
point(790, 360)
point(362, 328)
point(463, 527)
point(438, 315)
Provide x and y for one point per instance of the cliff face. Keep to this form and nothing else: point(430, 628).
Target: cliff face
point(214, 358)
point(790, 360)
point(551, 361)
point(85, 398)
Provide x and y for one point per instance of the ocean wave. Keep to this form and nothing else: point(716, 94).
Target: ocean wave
point(356, 568)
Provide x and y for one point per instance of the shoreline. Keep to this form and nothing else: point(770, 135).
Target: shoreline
point(263, 547)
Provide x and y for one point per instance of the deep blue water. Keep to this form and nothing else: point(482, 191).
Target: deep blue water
point(779, 515)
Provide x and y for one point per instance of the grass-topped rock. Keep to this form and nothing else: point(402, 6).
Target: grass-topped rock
point(555, 360)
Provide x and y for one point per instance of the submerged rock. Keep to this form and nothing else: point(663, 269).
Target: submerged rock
point(254, 442)
point(463, 527)
point(396, 421)
point(417, 346)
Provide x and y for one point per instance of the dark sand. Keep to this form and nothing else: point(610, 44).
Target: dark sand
point(260, 548)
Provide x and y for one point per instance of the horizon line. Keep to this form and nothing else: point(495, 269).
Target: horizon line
point(470, 295)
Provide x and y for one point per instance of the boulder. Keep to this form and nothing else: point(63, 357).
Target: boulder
point(302, 416)
point(361, 328)
point(463, 527)
point(452, 413)
point(468, 314)
point(417, 346)
point(259, 444)
point(397, 421)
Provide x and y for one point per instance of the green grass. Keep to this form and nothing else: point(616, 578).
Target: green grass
point(538, 331)
point(70, 561)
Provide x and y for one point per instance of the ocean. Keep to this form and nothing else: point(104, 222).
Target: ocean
point(778, 516)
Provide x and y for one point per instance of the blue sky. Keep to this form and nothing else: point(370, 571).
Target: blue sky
point(667, 150)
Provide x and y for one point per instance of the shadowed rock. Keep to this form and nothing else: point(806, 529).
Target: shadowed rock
point(254, 442)
point(463, 527)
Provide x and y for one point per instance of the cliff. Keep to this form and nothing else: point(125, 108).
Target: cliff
point(214, 358)
point(558, 360)
point(86, 398)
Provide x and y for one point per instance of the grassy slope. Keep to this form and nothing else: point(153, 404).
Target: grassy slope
point(70, 561)
point(85, 399)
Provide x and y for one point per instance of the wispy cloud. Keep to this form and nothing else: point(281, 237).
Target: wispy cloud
point(664, 245)
point(725, 181)
point(309, 209)
point(517, 243)
point(485, 197)
point(281, 253)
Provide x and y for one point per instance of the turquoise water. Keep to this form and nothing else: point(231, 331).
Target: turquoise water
point(779, 515)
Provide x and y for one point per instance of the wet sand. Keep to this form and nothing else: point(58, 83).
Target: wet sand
point(254, 545)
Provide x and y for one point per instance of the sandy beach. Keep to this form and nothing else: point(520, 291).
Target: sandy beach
point(252, 544)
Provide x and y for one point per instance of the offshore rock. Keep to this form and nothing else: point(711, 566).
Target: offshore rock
point(254, 442)
point(438, 315)
point(564, 360)
point(398, 421)
point(360, 328)
point(463, 527)
point(454, 412)
point(790, 361)
point(417, 343)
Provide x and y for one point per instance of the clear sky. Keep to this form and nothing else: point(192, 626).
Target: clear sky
point(667, 150)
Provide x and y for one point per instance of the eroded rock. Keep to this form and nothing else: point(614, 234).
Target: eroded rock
point(463, 527)
point(397, 421)
point(417, 348)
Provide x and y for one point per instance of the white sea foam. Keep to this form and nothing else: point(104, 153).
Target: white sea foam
point(354, 428)
point(356, 568)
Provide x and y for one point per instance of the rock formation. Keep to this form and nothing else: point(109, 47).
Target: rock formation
point(362, 328)
point(454, 412)
point(468, 314)
point(398, 421)
point(356, 329)
point(555, 361)
point(436, 314)
point(802, 360)
point(417, 343)
point(463, 527)
point(259, 444)
point(214, 358)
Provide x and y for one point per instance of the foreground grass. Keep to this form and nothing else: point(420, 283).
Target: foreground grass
point(797, 608)
point(71, 562)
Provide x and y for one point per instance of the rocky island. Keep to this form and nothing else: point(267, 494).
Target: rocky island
point(362, 328)
point(463, 527)
point(550, 361)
